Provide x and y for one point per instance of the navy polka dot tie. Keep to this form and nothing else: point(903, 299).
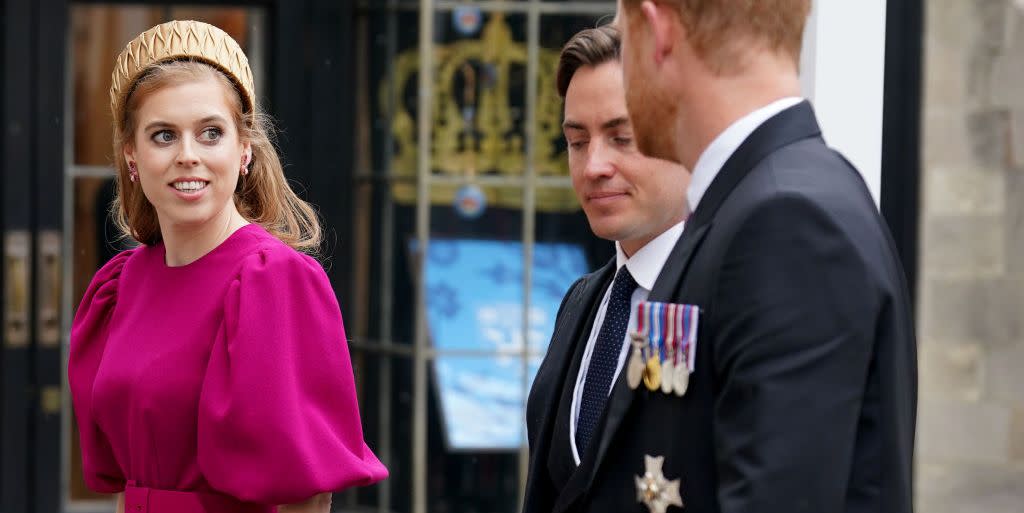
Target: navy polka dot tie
point(605, 358)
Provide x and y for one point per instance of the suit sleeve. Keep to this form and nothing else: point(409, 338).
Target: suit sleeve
point(794, 320)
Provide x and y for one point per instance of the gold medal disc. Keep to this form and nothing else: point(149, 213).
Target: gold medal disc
point(652, 376)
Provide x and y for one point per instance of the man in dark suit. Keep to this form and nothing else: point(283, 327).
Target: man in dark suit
point(639, 203)
point(802, 396)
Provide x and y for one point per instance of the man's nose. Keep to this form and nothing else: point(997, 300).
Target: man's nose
point(600, 160)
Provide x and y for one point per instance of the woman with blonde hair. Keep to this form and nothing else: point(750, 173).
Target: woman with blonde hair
point(209, 369)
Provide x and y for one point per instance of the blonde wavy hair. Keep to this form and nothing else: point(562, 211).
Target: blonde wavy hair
point(262, 197)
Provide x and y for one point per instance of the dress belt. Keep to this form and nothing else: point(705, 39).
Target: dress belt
point(138, 499)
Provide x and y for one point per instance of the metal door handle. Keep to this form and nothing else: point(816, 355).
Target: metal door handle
point(49, 281)
point(17, 293)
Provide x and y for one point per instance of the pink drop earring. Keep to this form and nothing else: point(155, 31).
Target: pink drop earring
point(133, 172)
point(245, 167)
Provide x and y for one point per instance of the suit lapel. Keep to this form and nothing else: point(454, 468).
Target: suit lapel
point(567, 334)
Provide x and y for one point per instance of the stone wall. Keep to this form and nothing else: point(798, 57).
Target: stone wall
point(970, 451)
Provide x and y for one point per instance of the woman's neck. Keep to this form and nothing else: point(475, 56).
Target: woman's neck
point(186, 244)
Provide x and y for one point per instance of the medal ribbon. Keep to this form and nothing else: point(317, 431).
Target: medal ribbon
point(670, 332)
point(692, 337)
point(655, 329)
point(640, 317)
point(685, 349)
point(679, 355)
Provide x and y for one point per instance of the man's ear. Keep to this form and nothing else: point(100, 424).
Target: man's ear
point(663, 22)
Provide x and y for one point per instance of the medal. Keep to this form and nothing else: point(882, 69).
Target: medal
point(680, 376)
point(652, 376)
point(655, 328)
point(668, 367)
point(635, 368)
point(681, 380)
point(635, 371)
point(688, 326)
point(664, 344)
point(654, 490)
point(669, 383)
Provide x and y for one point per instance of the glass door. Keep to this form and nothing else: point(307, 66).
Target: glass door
point(468, 235)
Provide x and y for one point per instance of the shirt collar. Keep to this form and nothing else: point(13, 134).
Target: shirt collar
point(645, 265)
point(720, 149)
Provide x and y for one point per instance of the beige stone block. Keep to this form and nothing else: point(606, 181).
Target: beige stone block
point(945, 74)
point(950, 370)
point(1017, 132)
point(986, 311)
point(961, 432)
point(992, 19)
point(980, 76)
point(1014, 221)
point(944, 140)
point(1005, 374)
point(1017, 435)
point(959, 488)
point(969, 246)
point(1007, 77)
point(945, 85)
point(988, 132)
point(963, 190)
point(925, 307)
point(1009, 66)
point(945, 20)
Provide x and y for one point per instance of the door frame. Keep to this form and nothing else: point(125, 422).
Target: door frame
point(901, 131)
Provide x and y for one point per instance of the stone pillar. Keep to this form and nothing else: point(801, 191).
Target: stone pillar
point(970, 451)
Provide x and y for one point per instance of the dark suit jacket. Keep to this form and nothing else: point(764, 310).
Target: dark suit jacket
point(803, 398)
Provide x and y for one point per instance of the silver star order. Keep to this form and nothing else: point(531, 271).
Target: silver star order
point(652, 489)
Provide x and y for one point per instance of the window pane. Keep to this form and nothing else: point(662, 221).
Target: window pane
point(465, 480)
point(384, 382)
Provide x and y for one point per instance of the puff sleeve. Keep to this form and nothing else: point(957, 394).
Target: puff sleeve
point(278, 416)
point(89, 331)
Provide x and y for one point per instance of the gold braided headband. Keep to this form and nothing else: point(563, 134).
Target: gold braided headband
point(179, 40)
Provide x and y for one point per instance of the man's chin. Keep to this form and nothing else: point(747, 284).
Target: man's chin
point(609, 232)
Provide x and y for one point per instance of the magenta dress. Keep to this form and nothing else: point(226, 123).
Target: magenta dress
point(230, 376)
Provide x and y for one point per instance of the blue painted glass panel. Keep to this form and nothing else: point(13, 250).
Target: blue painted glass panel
point(475, 301)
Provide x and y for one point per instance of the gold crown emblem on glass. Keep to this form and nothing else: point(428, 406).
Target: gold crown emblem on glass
point(179, 40)
point(479, 119)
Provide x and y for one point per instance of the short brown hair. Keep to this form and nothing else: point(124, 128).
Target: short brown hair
point(589, 47)
point(718, 29)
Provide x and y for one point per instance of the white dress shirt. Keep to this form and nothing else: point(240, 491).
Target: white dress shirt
point(645, 266)
point(727, 142)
